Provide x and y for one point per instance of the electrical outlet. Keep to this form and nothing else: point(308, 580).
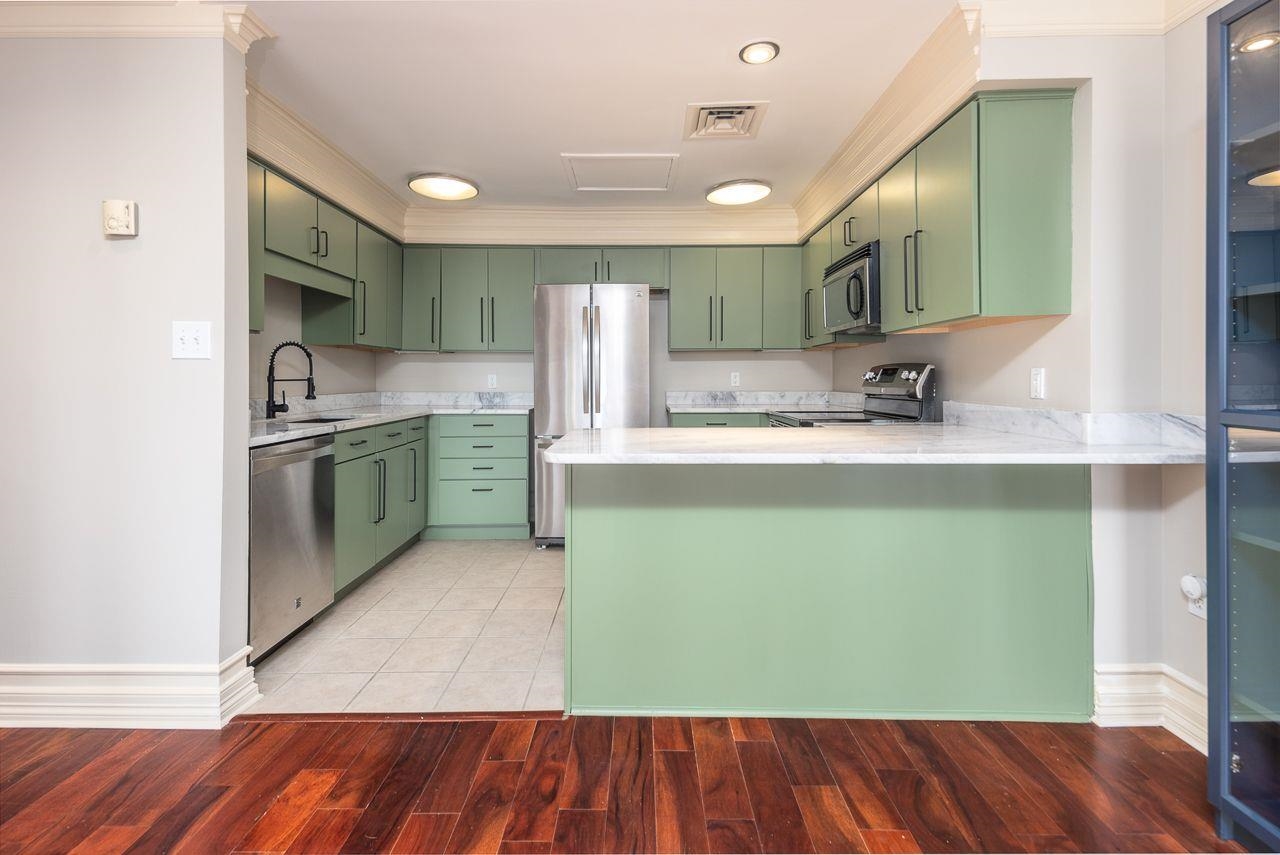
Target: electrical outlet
point(1196, 590)
point(1037, 384)
point(192, 340)
point(735, 379)
point(493, 381)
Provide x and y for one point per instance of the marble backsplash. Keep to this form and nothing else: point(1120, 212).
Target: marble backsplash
point(769, 400)
point(356, 400)
point(1070, 426)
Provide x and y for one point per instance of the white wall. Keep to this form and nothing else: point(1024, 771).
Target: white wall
point(124, 502)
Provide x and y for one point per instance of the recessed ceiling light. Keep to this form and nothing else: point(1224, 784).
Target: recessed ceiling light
point(1269, 178)
point(447, 188)
point(758, 53)
point(1262, 41)
point(743, 191)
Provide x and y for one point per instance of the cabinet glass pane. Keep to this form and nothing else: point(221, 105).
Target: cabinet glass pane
point(1253, 573)
point(1253, 210)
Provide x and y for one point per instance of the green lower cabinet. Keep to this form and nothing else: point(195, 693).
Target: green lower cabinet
point(355, 514)
point(397, 487)
point(417, 516)
point(719, 420)
point(484, 503)
point(477, 482)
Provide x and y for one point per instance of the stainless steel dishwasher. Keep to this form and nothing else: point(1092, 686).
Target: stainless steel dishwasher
point(290, 538)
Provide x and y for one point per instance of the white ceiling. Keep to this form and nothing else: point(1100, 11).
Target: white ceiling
point(498, 90)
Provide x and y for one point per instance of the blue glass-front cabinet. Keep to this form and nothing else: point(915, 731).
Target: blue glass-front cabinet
point(1243, 419)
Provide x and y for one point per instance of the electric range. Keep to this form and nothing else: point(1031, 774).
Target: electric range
point(898, 393)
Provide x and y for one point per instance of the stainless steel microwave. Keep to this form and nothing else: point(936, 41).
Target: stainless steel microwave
point(851, 291)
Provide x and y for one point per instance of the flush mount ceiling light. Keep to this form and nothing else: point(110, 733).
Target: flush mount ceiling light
point(1262, 41)
point(447, 188)
point(743, 191)
point(1267, 178)
point(758, 53)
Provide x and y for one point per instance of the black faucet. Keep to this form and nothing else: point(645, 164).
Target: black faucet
point(282, 407)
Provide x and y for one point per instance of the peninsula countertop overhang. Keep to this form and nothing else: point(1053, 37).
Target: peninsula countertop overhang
point(861, 444)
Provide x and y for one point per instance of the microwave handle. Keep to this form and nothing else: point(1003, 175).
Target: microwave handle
point(862, 294)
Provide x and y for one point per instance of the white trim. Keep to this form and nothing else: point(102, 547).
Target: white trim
point(237, 24)
point(1038, 18)
point(1152, 694)
point(126, 696)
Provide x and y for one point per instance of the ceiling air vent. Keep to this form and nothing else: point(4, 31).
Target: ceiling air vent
point(724, 121)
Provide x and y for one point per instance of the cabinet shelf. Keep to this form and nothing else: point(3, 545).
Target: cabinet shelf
point(1256, 540)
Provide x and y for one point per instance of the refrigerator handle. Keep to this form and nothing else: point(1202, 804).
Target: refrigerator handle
point(597, 372)
point(586, 361)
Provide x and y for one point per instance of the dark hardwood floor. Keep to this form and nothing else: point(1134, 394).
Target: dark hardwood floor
point(537, 784)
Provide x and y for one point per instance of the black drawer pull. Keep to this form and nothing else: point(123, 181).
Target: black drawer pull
point(419, 427)
point(358, 442)
point(486, 425)
point(397, 433)
point(482, 446)
point(482, 489)
point(481, 468)
point(717, 424)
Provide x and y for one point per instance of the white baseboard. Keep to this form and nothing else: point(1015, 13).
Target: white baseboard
point(1152, 695)
point(126, 696)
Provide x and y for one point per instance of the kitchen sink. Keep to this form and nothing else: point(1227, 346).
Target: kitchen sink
point(321, 420)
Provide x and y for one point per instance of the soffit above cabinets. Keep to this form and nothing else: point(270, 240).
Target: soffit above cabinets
point(620, 172)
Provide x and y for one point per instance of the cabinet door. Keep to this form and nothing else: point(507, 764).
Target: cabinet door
point(569, 265)
point(897, 228)
point(692, 311)
point(371, 287)
point(637, 266)
point(511, 299)
point(397, 487)
point(783, 327)
point(857, 224)
point(464, 293)
point(420, 303)
point(945, 285)
point(337, 240)
point(416, 518)
point(395, 295)
point(739, 297)
point(815, 257)
point(257, 247)
point(355, 514)
point(291, 220)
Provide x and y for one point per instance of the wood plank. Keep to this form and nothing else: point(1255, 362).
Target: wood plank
point(510, 740)
point(800, 753)
point(977, 818)
point(109, 839)
point(486, 808)
point(890, 840)
point(680, 820)
point(289, 813)
point(724, 792)
point(525, 847)
point(828, 820)
point(31, 748)
point(174, 824)
point(533, 813)
point(731, 836)
point(629, 818)
point(778, 818)
point(162, 777)
point(1163, 740)
point(1149, 843)
point(927, 814)
point(391, 805)
point(44, 776)
point(446, 789)
point(425, 832)
point(586, 784)
point(1049, 843)
point(325, 831)
point(879, 743)
point(579, 831)
point(250, 754)
point(751, 729)
point(344, 746)
point(672, 733)
point(868, 801)
point(361, 779)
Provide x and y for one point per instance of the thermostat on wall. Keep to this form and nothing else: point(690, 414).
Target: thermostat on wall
point(119, 217)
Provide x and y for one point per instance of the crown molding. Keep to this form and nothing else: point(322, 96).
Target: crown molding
point(237, 24)
point(1038, 18)
point(936, 80)
point(617, 226)
point(280, 137)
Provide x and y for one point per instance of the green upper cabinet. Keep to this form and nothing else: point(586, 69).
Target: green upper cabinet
point(292, 229)
point(464, 291)
point(783, 325)
point(567, 265)
point(395, 296)
point(897, 228)
point(371, 288)
point(739, 297)
point(257, 247)
point(420, 304)
point(511, 299)
point(945, 281)
point(857, 224)
point(645, 265)
point(337, 240)
point(692, 310)
point(815, 258)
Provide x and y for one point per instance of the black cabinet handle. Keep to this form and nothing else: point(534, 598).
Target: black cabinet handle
point(482, 424)
point(722, 319)
point(481, 468)
point(358, 442)
point(482, 320)
point(482, 446)
point(382, 489)
point(717, 424)
point(418, 427)
point(848, 236)
point(397, 433)
point(493, 321)
point(595, 271)
point(314, 231)
point(414, 478)
point(807, 314)
point(433, 320)
point(906, 288)
point(711, 318)
point(364, 306)
point(608, 271)
point(482, 489)
point(324, 237)
point(915, 255)
point(377, 469)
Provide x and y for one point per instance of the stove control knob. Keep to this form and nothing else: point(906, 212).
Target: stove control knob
point(913, 375)
point(870, 375)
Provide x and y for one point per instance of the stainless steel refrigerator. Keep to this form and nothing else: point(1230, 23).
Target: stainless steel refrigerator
point(590, 370)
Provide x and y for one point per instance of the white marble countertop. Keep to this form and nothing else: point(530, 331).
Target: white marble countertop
point(711, 409)
point(272, 431)
point(863, 444)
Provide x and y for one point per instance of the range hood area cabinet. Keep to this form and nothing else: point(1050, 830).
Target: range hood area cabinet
point(369, 313)
point(486, 299)
point(583, 265)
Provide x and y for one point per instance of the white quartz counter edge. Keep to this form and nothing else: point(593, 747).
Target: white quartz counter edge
point(272, 431)
point(761, 409)
point(864, 444)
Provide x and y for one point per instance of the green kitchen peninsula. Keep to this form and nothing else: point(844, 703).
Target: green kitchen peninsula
point(920, 571)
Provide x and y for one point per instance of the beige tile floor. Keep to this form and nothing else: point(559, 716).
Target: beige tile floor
point(447, 626)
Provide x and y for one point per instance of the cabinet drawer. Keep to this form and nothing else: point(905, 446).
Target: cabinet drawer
point(350, 444)
point(417, 428)
point(719, 420)
point(391, 435)
point(492, 446)
point(483, 503)
point(456, 469)
point(483, 425)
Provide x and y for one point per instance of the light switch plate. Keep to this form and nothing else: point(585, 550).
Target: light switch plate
point(119, 217)
point(735, 379)
point(1037, 384)
point(493, 381)
point(192, 340)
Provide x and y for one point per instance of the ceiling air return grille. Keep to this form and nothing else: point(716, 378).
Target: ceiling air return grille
point(724, 121)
